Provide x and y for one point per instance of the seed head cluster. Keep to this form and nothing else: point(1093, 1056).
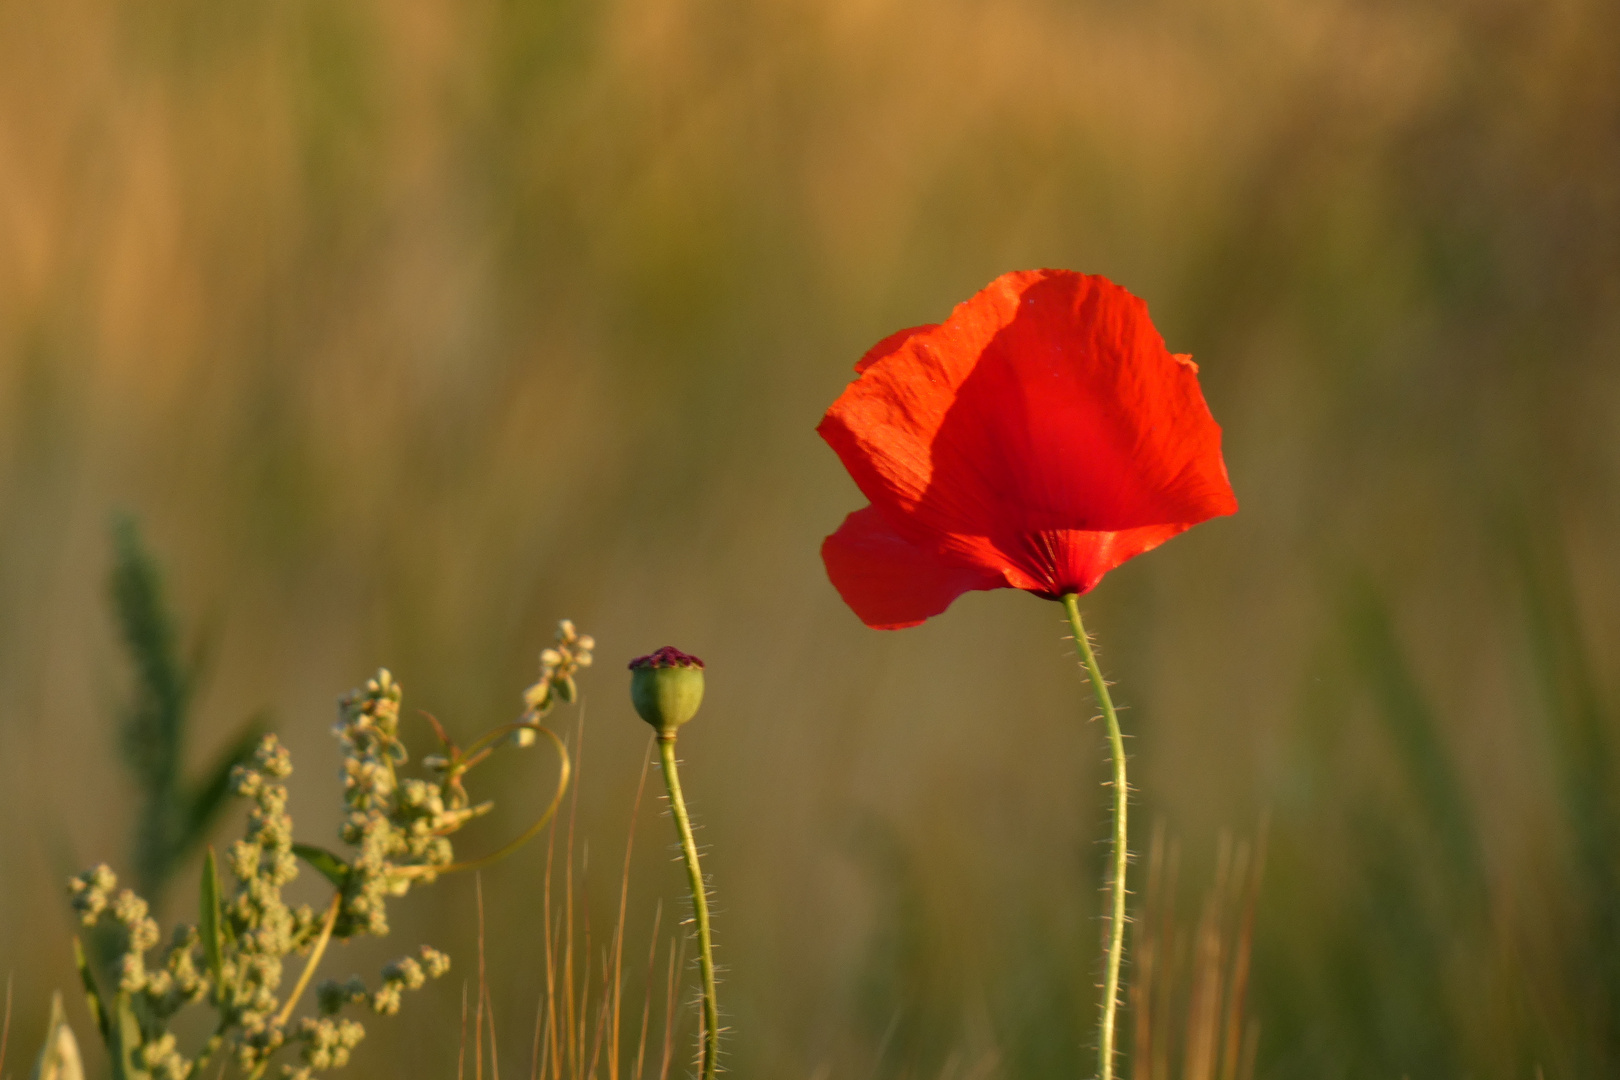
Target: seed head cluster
point(399, 830)
point(558, 665)
point(180, 979)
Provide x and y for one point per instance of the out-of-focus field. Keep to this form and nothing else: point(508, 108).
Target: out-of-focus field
point(406, 328)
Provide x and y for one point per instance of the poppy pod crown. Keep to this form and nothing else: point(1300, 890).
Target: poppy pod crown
point(1035, 440)
point(666, 687)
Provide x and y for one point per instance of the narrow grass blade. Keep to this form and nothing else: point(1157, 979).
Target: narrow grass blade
point(92, 996)
point(210, 924)
point(126, 1041)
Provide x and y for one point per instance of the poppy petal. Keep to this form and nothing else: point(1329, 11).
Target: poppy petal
point(889, 345)
point(890, 582)
point(1046, 404)
point(1082, 558)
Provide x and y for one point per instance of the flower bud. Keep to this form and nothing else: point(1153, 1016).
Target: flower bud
point(666, 688)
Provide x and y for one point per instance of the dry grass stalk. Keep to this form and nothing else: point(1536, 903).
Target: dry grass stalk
point(5, 1025)
point(579, 1018)
point(1191, 985)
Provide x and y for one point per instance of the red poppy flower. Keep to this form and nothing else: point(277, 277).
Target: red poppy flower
point(1035, 440)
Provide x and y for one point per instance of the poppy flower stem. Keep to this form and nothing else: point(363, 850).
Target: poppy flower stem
point(710, 1060)
point(1119, 853)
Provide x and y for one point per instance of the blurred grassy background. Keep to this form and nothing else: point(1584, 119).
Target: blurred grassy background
point(406, 328)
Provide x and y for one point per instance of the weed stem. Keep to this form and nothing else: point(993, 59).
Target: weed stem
point(314, 959)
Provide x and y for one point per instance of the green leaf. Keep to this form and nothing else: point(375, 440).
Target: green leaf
point(59, 1057)
point(331, 867)
point(210, 923)
point(127, 1042)
point(92, 996)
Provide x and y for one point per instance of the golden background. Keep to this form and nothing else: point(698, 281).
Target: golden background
point(406, 328)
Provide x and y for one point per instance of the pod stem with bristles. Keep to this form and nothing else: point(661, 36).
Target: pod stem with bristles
point(709, 1060)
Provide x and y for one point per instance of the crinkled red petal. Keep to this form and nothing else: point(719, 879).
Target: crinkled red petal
point(1046, 405)
point(889, 345)
point(1082, 558)
point(888, 581)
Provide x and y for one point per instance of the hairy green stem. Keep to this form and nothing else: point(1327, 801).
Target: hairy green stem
point(1119, 855)
point(700, 909)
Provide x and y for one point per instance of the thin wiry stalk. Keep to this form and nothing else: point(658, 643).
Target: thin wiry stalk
point(1150, 1060)
point(1210, 960)
point(579, 1026)
point(1242, 1039)
point(600, 1027)
point(570, 1004)
point(624, 900)
point(601, 1022)
point(564, 774)
point(486, 1001)
point(569, 1040)
point(553, 1053)
point(461, 1053)
point(646, 1000)
point(494, 1044)
point(5, 1025)
point(540, 1027)
point(581, 1041)
point(677, 961)
point(478, 1014)
point(1209, 946)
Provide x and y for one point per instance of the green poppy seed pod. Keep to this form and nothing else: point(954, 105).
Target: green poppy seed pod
point(666, 688)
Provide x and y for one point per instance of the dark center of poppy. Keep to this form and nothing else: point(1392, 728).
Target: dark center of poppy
point(667, 657)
